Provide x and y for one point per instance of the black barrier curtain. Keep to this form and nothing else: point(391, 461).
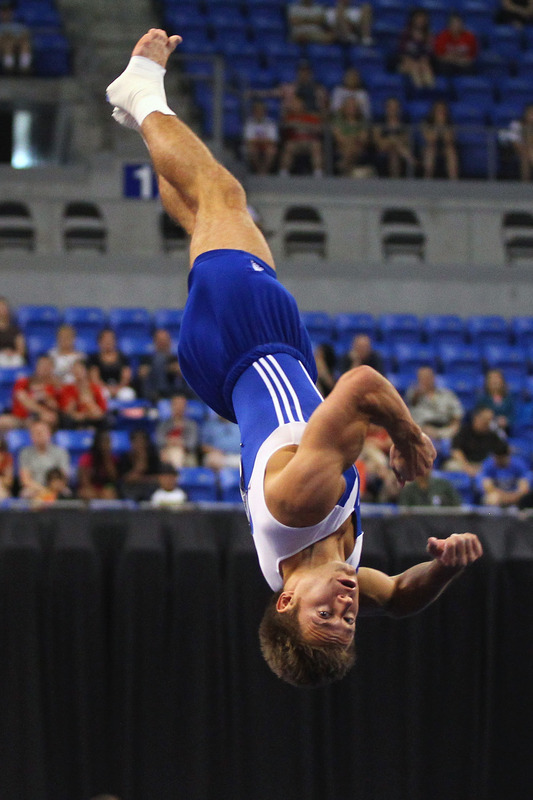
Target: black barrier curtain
point(129, 664)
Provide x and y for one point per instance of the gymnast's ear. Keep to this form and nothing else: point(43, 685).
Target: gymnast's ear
point(284, 602)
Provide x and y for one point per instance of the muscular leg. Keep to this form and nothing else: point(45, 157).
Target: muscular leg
point(196, 189)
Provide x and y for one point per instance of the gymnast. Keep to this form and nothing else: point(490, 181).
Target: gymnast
point(244, 351)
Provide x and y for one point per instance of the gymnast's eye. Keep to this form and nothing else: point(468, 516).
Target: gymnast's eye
point(324, 614)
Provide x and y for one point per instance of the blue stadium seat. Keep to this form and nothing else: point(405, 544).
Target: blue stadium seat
point(512, 360)
point(507, 42)
point(134, 321)
point(196, 410)
point(39, 344)
point(199, 484)
point(479, 19)
point(120, 441)
point(516, 90)
point(492, 65)
point(319, 325)
point(465, 386)
point(504, 113)
point(443, 329)
point(463, 483)
point(329, 75)
point(85, 319)
point(403, 328)
point(75, 441)
point(87, 343)
point(387, 37)
point(522, 446)
point(409, 357)
point(417, 110)
point(39, 14)
point(51, 55)
point(525, 65)
point(347, 325)
point(522, 330)
point(169, 319)
point(382, 85)
point(230, 485)
point(366, 59)
point(402, 380)
point(17, 439)
point(391, 12)
point(474, 148)
point(474, 89)
point(135, 345)
point(8, 376)
point(38, 319)
point(467, 113)
point(459, 359)
point(488, 329)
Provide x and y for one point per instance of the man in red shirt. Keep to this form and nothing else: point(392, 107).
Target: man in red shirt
point(456, 48)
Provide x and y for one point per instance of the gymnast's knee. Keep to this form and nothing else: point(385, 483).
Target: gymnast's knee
point(223, 190)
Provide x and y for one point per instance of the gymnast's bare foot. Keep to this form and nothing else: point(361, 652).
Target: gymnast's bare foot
point(156, 46)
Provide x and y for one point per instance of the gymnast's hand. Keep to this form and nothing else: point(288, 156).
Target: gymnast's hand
point(458, 550)
point(413, 458)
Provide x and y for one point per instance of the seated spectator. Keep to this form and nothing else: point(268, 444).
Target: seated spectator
point(351, 134)
point(427, 490)
point(515, 12)
point(15, 43)
point(307, 22)
point(520, 136)
point(349, 24)
point(34, 397)
point(456, 49)
point(12, 344)
point(82, 403)
point(352, 86)
point(64, 354)
point(313, 95)
point(438, 411)
point(392, 140)
point(220, 444)
point(56, 487)
point(439, 148)
point(475, 441)
point(111, 368)
point(139, 467)
point(177, 438)
point(496, 396)
point(159, 374)
point(261, 137)
point(98, 470)
point(302, 136)
point(361, 353)
point(325, 364)
point(503, 478)
point(381, 485)
point(37, 459)
point(169, 494)
point(7, 473)
point(416, 50)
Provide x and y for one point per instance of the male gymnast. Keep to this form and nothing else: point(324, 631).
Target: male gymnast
point(245, 352)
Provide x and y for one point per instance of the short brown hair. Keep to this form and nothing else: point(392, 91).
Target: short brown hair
point(296, 660)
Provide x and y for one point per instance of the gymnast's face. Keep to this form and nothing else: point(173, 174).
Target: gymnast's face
point(327, 598)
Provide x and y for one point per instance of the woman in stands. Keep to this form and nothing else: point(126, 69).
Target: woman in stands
point(392, 142)
point(496, 396)
point(439, 143)
point(98, 470)
point(351, 134)
point(416, 50)
point(12, 344)
point(110, 368)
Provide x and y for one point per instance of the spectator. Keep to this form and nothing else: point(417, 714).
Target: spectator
point(34, 397)
point(111, 368)
point(177, 438)
point(456, 49)
point(139, 467)
point(351, 134)
point(381, 483)
point(6, 471)
point(304, 86)
point(56, 487)
point(429, 490)
point(82, 403)
point(474, 442)
point(98, 470)
point(64, 354)
point(349, 24)
point(503, 478)
point(220, 443)
point(515, 12)
point(12, 344)
point(169, 494)
point(394, 153)
point(307, 22)
point(302, 137)
point(520, 136)
point(15, 43)
point(261, 138)
point(38, 458)
point(158, 374)
point(496, 396)
point(438, 411)
point(352, 86)
point(439, 149)
point(362, 353)
point(416, 50)
point(325, 364)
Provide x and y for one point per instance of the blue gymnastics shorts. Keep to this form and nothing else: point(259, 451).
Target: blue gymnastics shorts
point(236, 312)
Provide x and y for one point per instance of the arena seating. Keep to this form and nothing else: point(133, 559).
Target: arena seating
point(51, 48)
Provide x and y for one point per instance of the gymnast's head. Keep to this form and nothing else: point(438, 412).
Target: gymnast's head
point(307, 631)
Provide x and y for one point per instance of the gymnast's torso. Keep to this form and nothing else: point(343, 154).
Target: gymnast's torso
point(273, 400)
